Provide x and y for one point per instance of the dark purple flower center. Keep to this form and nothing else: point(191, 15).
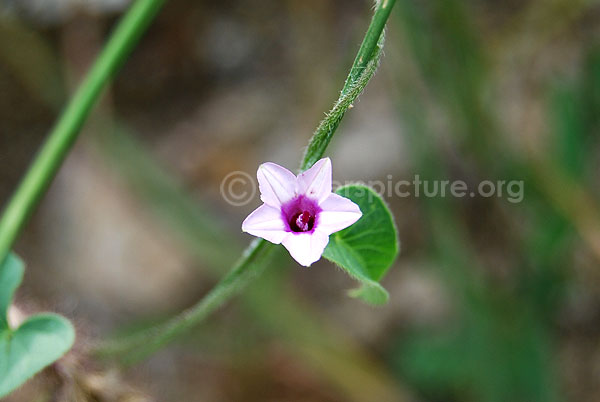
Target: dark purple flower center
point(301, 214)
point(302, 222)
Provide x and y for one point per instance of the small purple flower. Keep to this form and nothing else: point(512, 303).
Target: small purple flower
point(299, 212)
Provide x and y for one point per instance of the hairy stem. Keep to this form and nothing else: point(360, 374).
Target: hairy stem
point(255, 258)
point(324, 132)
point(252, 262)
point(370, 43)
point(65, 131)
point(364, 66)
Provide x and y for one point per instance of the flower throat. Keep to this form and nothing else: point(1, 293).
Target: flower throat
point(302, 222)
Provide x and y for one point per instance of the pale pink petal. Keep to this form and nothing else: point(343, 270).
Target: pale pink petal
point(277, 184)
point(315, 183)
point(306, 248)
point(337, 213)
point(266, 222)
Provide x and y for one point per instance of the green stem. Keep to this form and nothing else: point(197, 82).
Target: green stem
point(370, 42)
point(363, 68)
point(65, 131)
point(251, 264)
point(255, 257)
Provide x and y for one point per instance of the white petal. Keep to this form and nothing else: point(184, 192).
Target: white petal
point(316, 181)
point(277, 184)
point(306, 248)
point(266, 222)
point(337, 213)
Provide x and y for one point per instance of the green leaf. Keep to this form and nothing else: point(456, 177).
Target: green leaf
point(38, 342)
point(367, 249)
point(11, 275)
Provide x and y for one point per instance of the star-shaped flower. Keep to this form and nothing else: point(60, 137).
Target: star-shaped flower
point(299, 212)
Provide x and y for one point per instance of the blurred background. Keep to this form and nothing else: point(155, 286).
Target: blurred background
point(491, 300)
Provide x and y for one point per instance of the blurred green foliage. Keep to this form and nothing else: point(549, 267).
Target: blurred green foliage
point(499, 345)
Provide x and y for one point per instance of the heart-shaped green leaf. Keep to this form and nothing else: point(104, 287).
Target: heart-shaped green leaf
point(38, 342)
point(367, 249)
